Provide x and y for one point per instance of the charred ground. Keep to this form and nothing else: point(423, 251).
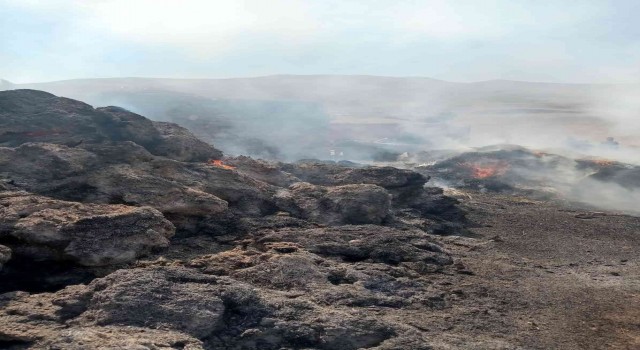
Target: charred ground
point(120, 232)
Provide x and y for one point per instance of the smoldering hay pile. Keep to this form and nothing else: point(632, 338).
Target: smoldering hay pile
point(508, 169)
point(120, 232)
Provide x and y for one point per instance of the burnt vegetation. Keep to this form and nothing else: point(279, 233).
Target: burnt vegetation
point(120, 232)
point(119, 221)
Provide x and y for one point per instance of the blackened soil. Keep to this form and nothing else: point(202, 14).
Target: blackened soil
point(543, 276)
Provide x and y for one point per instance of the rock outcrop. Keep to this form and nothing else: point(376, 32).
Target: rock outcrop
point(119, 232)
point(331, 174)
point(140, 298)
point(265, 171)
point(406, 187)
point(88, 234)
point(125, 173)
point(180, 144)
point(113, 337)
point(366, 243)
point(270, 296)
point(337, 205)
point(36, 116)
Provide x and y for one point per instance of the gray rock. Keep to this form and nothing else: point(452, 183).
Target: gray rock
point(171, 307)
point(333, 175)
point(114, 337)
point(89, 234)
point(137, 185)
point(366, 242)
point(38, 321)
point(36, 116)
point(180, 144)
point(125, 173)
point(269, 172)
point(262, 260)
point(349, 204)
point(407, 187)
point(175, 299)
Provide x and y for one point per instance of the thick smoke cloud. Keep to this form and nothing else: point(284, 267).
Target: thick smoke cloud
point(307, 116)
point(379, 119)
point(606, 195)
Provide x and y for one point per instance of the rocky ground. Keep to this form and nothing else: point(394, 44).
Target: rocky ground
point(119, 232)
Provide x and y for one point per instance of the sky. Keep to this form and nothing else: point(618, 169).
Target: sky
point(578, 41)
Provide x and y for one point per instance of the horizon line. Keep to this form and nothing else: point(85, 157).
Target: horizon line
point(318, 75)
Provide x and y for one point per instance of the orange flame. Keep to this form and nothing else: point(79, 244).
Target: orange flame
point(603, 162)
point(483, 171)
point(220, 164)
point(540, 154)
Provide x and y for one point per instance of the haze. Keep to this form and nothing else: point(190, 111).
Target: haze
point(294, 79)
point(320, 174)
point(552, 41)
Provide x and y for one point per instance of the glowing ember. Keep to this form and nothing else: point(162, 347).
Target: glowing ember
point(540, 154)
point(220, 164)
point(483, 171)
point(603, 162)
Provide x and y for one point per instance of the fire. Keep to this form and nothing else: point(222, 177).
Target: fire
point(603, 162)
point(220, 164)
point(483, 171)
point(540, 154)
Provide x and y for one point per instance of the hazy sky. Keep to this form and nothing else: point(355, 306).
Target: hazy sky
point(538, 40)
